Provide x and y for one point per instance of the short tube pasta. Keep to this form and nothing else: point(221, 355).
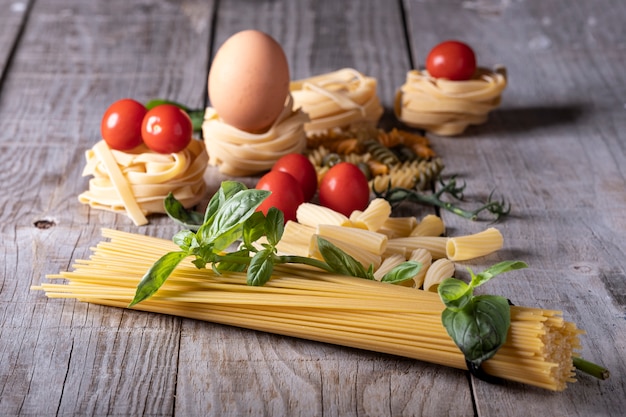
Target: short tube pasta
point(425, 258)
point(366, 258)
point(462, 248)
point(313, 214)
point(374, 215)
point(439, 270)
point(365, 239)
point(430, 225)
point(436, 245)
point(387, 265)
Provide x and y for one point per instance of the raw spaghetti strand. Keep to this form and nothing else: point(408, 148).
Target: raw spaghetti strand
point(301, 302)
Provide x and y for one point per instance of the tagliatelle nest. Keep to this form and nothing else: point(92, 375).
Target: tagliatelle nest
point(447, 107)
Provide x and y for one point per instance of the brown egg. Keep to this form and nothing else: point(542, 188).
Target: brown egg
point(249, 81)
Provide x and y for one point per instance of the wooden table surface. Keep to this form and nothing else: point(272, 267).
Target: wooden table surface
point(556, 149)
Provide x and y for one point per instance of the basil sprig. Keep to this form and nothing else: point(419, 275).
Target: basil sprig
point(231, 216)
point(477, 324)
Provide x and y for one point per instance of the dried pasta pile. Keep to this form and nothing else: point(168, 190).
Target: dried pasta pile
point(314, 305)
point(374, 238)
point(447, 107)
point(239, 153)
point(394, 158)
point(136, 182)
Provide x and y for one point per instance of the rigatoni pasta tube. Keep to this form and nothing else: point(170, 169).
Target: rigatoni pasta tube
point(430, 225)
point(387, 265)
point(439, 270)
point(398, 226)
point(425, 258)
point(365, 239)
point(313, 214)
point(462, 248)
point(366, 258)
point(375, 214)
point(434, 244)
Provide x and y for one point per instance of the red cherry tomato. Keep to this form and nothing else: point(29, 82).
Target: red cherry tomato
point(299, 167)
point(121, 124)
point(344, 188)
point(286, 193)
point(166, 129)
point(453, 60)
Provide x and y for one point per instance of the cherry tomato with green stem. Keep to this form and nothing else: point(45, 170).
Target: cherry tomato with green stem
point(452, 60)
point(299, 167)
point(344, 188)
point(166, 129)
point(286, 193)
point(121, 124)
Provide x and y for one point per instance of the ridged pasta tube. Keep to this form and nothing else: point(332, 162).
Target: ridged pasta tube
point(365, 239)
point(375, 214)
point(434, 244)
point(439, 270)
point(473, 246)
point(426, 259)
point(366, 258)
point(430, 225)
point(313, 214)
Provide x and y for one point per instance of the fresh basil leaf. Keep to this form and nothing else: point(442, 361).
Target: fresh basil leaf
point(496, 269)
point(157, 275)
point(159, 101)
point(253, 229)
point(274, 225)
point(228, 222)
point(339, 261)
point(186, 240)
point(479, 329)
point(403, 272)
point(197, 119)
point(261, 267)
point(189, 219)
point(226, 191)
point(454, 293)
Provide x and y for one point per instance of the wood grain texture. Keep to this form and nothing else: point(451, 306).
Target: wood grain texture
point(555, 149)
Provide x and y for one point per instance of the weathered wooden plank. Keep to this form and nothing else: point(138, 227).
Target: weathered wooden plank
point(75, 58)
point(12, 19)
point(555, 151)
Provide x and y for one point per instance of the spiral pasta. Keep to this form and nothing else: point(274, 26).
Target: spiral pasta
point(240, 153)
point(136, 182)
point(447, 107)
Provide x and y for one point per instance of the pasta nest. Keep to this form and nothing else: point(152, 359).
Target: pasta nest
point(447, 107)
point(337, 99)
point(136, 182)
point(240, 153)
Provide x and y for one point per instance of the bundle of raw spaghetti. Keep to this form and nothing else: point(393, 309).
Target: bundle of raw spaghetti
point(309, 304)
